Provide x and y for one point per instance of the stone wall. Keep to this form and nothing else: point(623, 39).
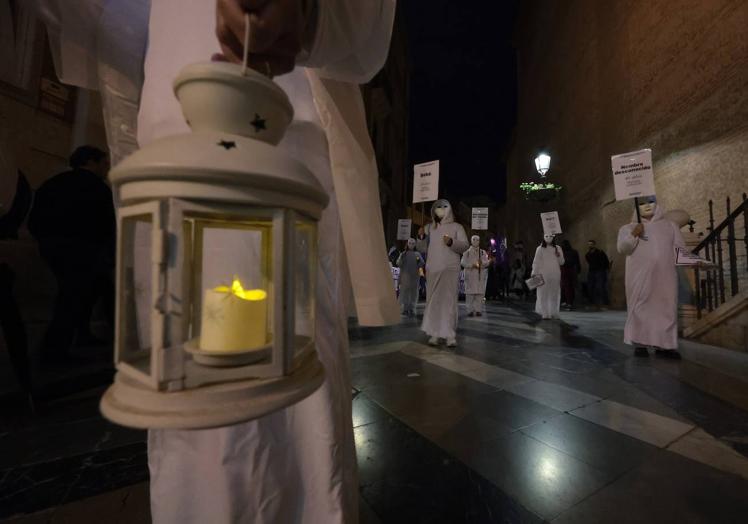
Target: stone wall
point(38, 144)
point(601, 77)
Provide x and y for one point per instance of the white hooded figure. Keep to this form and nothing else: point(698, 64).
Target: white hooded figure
point(651, 280)
point(547, 262)
point(297, 464)
point(475, 263)
point(409, 262)
point(447, 241)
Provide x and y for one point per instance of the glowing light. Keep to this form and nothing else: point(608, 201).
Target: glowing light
point(238, 290)
point(548, 469)
point(542, 163)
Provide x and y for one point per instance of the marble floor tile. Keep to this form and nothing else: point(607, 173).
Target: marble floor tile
point(452, 362)
point(700, 446)
point(667, 488)
point(602, 448)
point(365, 411)
point(511, 410)
point(553, 395)
point(417, 350)
point(541, 478)
point(496, 376)
point(465, 436)
point(370, 350)
point(649, 427)
point(63, 439)
point(406, 478)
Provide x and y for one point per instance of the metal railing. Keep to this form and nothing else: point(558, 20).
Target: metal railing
point(714, 286)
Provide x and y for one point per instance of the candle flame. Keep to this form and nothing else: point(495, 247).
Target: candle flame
point(238, 290)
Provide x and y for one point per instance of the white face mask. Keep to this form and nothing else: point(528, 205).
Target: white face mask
point(475, 241)
point(548, 238)
point(647, 210)
point(411, 243)
point(440, 212)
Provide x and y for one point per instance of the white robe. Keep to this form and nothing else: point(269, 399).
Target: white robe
point(546, 263)
point(475, 278)
point(409, 262)
point(651, 282)
point(298, 464)
point(443, 278)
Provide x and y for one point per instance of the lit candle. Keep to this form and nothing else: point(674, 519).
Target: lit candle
point(233, 318)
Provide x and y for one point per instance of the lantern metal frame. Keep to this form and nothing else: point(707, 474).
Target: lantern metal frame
point(189, 177)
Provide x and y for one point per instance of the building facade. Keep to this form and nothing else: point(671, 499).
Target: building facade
point(386, 102)
point(597, 79)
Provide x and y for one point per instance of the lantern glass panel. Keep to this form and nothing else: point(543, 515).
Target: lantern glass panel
point(232, 288)
point(136, 292)
point(305, 267)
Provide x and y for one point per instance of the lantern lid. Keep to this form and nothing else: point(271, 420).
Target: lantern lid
point(220, 96)
point(230, 155)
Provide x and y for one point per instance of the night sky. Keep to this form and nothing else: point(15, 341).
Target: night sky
point(463, 91)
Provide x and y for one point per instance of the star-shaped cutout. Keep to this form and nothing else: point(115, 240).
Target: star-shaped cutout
point(227, 144)
point(258, 123)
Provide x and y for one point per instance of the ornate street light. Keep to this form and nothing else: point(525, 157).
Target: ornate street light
point(542, 163)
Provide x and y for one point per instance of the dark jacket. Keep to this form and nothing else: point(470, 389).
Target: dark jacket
point(597, 260)
point(571, 260)
point(75, 205)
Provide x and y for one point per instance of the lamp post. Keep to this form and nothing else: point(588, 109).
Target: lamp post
point(542, 163)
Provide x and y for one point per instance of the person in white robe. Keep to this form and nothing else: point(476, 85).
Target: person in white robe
point(547, 262)
point(651, 281)
point(409, 262)
point(447, 241)
point(475, 263)
point(297, 465)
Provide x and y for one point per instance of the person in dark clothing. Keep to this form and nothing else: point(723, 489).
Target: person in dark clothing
point(73, 220)
point(570, 269)
point(12, 220)
point(598, 265)
point(13, 329)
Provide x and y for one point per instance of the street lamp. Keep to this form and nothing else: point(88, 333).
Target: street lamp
point(542, 163)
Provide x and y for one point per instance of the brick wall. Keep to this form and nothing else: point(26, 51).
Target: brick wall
point(601, 77)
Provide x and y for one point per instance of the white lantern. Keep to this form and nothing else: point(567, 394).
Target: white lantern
point(542, 163)
point(216, 262)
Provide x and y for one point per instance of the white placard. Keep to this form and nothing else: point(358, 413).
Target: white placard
point(480, 219)
point(426, 182)
point(551, 223)
point(632, 174)
point(684, 257)
point(404, 226)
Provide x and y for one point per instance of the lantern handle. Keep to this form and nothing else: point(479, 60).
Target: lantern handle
point(246, 44)
point(245, 57)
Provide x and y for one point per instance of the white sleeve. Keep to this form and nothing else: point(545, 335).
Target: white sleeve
point(626, 241)
point(464, 260)
point(351, 39)
point(536, 261)
point(460, 243)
